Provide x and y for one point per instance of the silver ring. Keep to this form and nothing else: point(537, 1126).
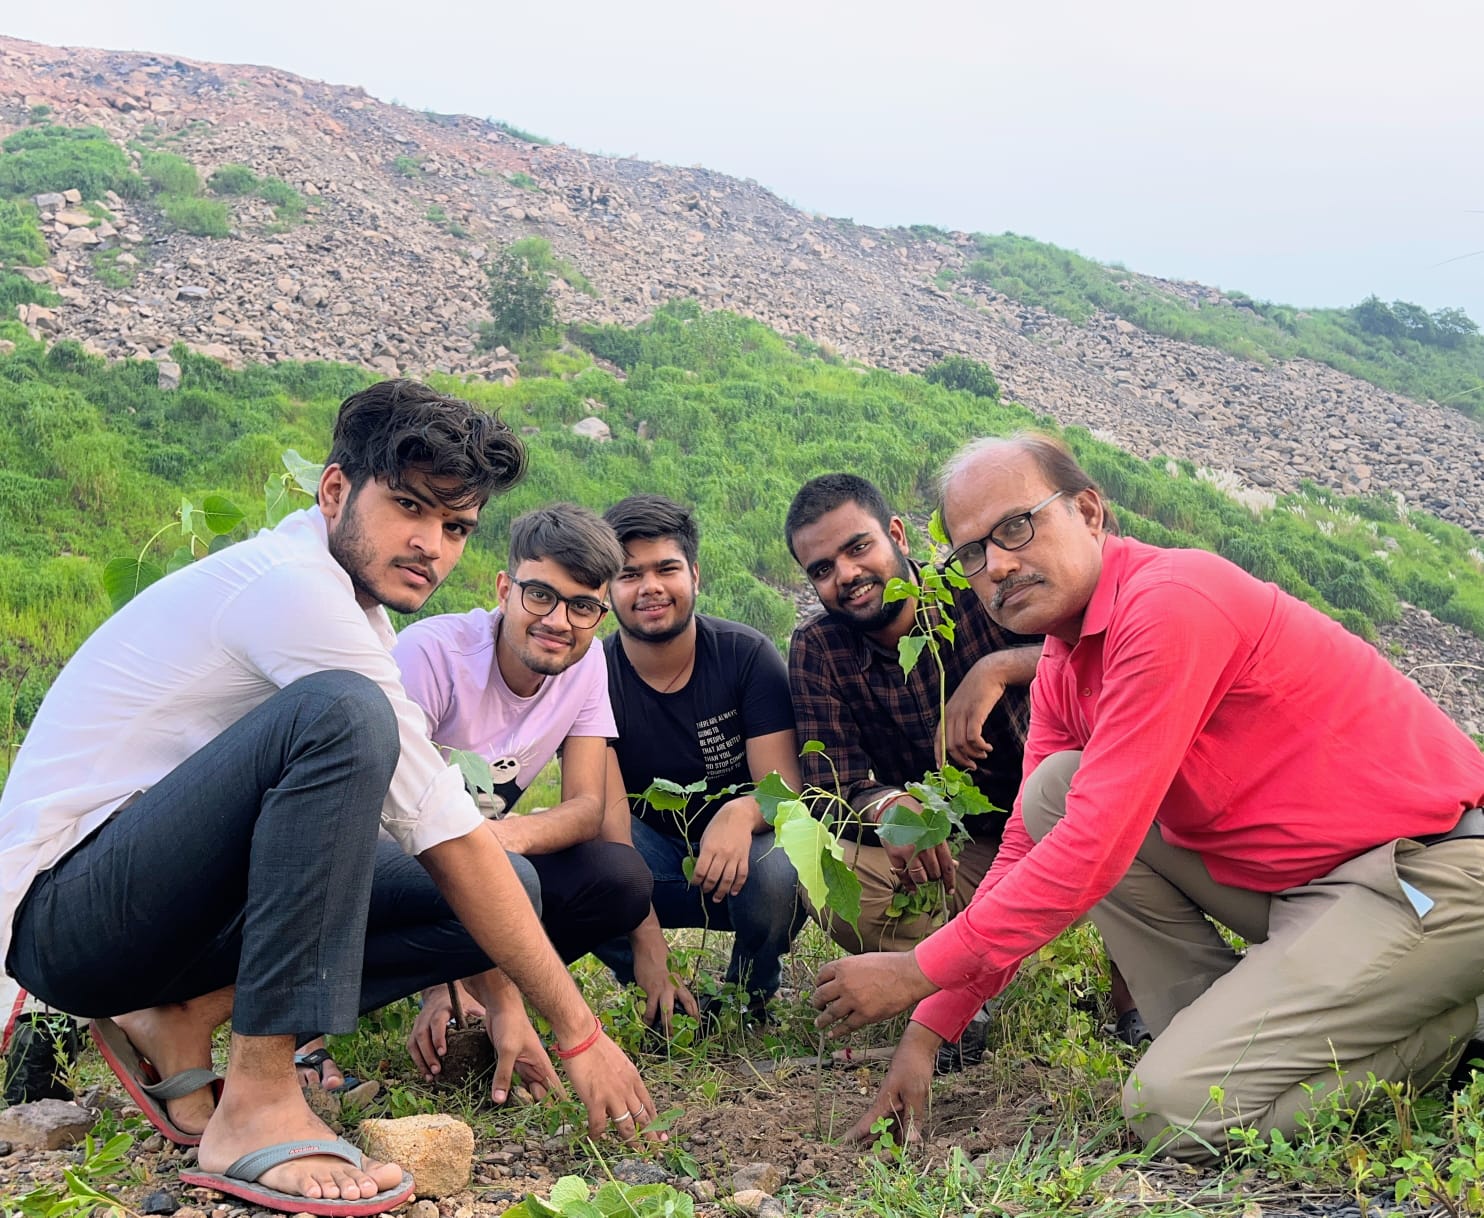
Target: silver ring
point(625, 1115)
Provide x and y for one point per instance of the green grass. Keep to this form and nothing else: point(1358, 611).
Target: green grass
point(110, 272)
point(407, 166)
point(233, 179)
point(1398, 347)
point(518, 132)
point(21, 242)
point(47, 158)
point(196, 216)
point(168, 174)
point(94, 457)
point(539, 256)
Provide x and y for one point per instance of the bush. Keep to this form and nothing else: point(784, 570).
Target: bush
point(199, 217)
point(21, 242)
point(233, 180)
point(280, 194)
point(39, 160)
point(519, 299)
point(168, 174)
point(407, 167)
point(969, 375)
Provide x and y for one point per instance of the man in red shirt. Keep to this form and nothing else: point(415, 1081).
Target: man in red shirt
point(1201, 744)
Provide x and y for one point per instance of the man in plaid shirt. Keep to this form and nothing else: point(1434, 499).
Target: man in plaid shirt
point(879, 726)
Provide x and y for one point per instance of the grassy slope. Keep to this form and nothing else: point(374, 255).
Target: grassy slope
point(1075, 287)
point(94, 459)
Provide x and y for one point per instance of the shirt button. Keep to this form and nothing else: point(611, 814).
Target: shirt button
point(1087, 693)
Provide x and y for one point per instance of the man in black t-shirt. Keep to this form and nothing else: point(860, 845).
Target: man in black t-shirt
point(696, 699)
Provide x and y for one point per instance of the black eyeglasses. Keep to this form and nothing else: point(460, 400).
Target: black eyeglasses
point(1012, 533)
point(584, 612)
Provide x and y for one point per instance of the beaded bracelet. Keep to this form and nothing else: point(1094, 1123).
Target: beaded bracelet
point(584, 1046)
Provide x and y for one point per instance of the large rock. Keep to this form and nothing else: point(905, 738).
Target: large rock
point(45, 1124)
point(436, 1148)
point(592, 428)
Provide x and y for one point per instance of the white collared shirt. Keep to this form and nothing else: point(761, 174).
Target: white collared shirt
point(188, 657)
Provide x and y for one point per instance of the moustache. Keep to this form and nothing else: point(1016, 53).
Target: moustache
point(1008, 586)
point(422, 568)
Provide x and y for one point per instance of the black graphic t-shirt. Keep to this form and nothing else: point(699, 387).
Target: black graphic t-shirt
point(738, 689)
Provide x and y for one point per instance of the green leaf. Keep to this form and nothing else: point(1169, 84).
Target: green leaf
point(688, 868)
point(221, 514)
point(901, 826)
point(181, 557)
point(771, 792)
point(946, 629)
point(898, 590)
point(909, 651)
point(610, 1199)
point(805, 840)
point(125, 578)
point(956, 578)
point(187, 518)
point(844, 889)
point(811, 746)
point(306, 474)
point(479, 778)
point(276, 501)
point(936, 530)
point(665, 796)
point(569, 1189)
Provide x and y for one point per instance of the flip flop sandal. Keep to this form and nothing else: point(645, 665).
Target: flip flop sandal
point(144, 1084)
point(352, 1089)
point(240, 1180)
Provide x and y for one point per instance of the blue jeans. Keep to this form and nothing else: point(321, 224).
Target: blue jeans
point(256, 863)
point(765, 916)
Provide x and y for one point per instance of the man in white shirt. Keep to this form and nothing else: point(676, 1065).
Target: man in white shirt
point(189, 832)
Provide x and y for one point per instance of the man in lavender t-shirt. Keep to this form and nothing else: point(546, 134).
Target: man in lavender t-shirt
point(517, 685)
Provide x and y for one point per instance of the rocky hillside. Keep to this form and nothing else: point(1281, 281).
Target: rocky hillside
point(404, 207)
point(370, 278)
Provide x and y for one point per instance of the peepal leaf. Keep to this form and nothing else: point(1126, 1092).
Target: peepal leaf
point(844, 888)
point(897, 590)
point(665, 796)
point(909, 651)
point(276, 501)
point(770, 793)
point(479, 778)
point(306, 474)
point(900, 826)
point(125, 578)
point(569, 1189)
point(221, 515)
point(805, 841)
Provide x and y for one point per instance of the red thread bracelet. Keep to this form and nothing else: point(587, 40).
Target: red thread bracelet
point(584, 1046)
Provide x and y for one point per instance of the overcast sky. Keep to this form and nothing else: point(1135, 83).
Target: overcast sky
point(1308, 151)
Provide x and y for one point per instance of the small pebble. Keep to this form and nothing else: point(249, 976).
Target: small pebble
point(154, 1144)
point(425, 1209)
point(5, 1149)
point(159, 1202)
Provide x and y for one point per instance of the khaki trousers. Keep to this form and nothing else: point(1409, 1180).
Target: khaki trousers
point(879, 884)
point(1342, 978)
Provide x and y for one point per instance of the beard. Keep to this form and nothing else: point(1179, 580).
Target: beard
point(351, 547)
point(659, 633)
point(546, 664)
point(870, 620)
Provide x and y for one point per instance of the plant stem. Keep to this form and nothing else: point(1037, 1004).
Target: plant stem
point(458, 1007)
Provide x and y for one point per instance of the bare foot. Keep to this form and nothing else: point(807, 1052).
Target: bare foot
point(175, 1038)
point(239, 1129)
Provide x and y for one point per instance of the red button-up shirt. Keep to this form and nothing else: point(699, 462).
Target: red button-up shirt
point(1253, 729)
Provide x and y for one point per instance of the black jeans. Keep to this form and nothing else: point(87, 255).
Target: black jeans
point(255, 863)
point(590, 893)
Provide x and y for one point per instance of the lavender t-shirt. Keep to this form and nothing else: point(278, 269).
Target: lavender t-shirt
point(449, 669)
